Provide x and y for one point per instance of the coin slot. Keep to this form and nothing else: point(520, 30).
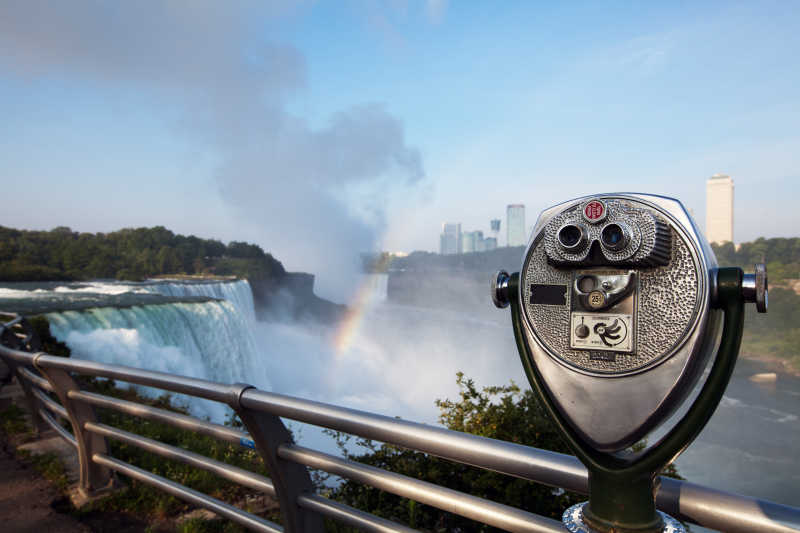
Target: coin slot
point(587, 284)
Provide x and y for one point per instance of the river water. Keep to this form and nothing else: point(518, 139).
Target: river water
point(750, 446)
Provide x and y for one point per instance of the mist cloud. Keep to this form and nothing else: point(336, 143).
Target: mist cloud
point(314, 196)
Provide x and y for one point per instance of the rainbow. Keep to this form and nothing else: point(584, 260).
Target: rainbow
point(348, 327)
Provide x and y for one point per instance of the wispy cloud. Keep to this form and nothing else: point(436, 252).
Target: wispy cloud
point(287, 180)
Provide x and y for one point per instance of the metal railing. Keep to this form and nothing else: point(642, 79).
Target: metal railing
point(302, 509)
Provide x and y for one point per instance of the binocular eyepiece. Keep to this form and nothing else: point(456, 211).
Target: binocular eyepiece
point(614, 236)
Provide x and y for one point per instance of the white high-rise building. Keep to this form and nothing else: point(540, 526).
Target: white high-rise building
point(450, 239)
point(719, 208)
point(469, 242)
point(472, 241)
point(515, 225)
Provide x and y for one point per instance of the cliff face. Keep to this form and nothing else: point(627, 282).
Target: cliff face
point(458, 282)
point(292, 296)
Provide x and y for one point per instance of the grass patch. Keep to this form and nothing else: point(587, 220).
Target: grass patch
point(49, 466)
point(200, 525)
point(14, 423)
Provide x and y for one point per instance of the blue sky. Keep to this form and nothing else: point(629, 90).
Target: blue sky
point(322, 129)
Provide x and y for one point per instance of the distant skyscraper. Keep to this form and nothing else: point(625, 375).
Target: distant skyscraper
point(719, 208)
point(472, 241)
point(515, 225)
point(469, 242)
point(450, 239)
point(479, 241)
point(495, 225)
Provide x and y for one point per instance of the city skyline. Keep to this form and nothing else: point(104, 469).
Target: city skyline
point(717, 227)
point(453, 241)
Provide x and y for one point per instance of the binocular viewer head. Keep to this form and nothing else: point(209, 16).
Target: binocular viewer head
point(617, 303)
point(607, 232)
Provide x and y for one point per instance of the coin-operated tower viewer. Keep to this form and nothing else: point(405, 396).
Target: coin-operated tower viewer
point(616, 311)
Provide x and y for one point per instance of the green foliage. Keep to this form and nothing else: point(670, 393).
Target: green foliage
point(499, 412)
point(128, 254)
point(782, 256)
point(776, 333)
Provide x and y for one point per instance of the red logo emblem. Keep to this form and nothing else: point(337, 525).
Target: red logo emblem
point(594, 210)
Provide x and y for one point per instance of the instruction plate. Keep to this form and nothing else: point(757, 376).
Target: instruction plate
point(611, 332)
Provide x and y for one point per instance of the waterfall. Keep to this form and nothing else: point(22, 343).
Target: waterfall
point(377, 286)
point(210, 340)
point(236, 292)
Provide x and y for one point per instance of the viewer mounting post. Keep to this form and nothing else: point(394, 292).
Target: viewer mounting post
point(616, 312)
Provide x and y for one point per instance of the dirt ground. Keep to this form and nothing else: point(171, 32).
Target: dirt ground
point(29, 503)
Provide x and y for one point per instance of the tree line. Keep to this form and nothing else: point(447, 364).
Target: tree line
point(781, 255)
point(62, 254)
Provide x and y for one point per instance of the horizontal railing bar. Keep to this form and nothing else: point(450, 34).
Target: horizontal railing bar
point(63, 433)
point(36, 380)
point(221, 508)
point(350, 516)
point(551, 468)
point(50, 403)
point(147, 412)
point(485, 511)
point(201, 388)
point(534, 464)
point(725, 511)
point(521, 461)
point(18, 356)
point(224, 470)
point(13, 322)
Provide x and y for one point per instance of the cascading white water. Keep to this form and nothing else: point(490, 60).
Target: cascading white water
point(211, 340)
point(237, 292)
point(378, 286)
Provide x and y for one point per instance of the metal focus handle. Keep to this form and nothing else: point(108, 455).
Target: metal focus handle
point(755, 287)
point(498, 287)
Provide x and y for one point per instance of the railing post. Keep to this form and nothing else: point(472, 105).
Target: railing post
point(31, 402)
point(290, 479)
point(93, 477)
point(9, 338)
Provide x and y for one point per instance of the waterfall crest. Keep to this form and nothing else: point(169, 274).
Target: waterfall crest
point(236, 292)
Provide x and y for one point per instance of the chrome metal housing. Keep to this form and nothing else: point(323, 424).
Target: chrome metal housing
point(614, 405)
